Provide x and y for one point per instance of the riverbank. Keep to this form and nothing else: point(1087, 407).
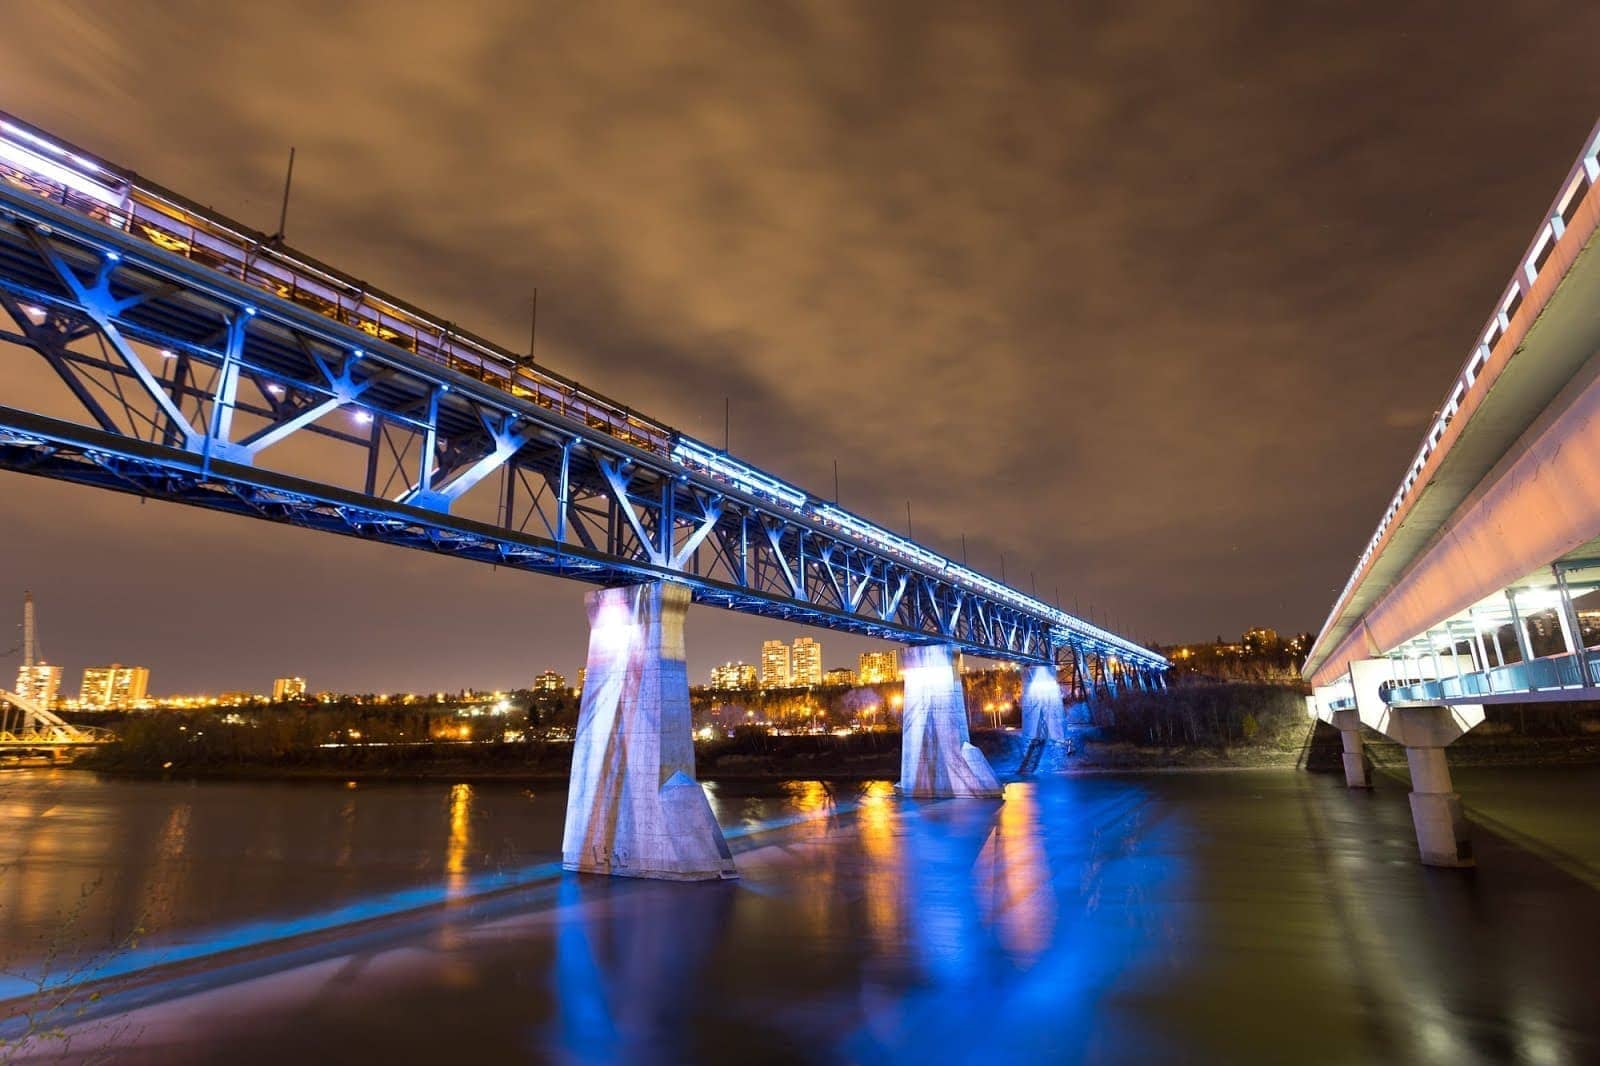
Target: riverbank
point(1194, 726)
point(825, 758)
point(748, 757)
point(1320, 755)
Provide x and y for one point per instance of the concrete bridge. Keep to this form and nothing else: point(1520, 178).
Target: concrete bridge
point(189, 358)
point(1474, 588)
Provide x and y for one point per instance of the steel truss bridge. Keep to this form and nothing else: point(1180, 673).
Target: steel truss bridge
point(198, 362)
point(24, 724)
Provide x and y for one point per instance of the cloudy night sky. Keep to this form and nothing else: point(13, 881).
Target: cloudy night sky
point(1155, 302)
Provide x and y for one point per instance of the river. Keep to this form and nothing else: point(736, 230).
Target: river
point(1253, 916)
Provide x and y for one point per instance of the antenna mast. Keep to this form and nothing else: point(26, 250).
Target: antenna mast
point(283, 213)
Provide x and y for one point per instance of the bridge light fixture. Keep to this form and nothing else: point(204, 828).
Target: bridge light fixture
point(74, 172)
point(356, 353)
point(114, 257)
point(249, 310)
point(363, 416)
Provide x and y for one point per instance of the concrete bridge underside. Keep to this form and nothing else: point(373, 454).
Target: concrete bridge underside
point(1496, 525)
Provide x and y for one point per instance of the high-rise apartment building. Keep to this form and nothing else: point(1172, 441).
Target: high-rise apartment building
point(733, 677)
point(878, 667)
point(839, 675)
point(113, 688)
point(40, 683)
point(288, 688)
point(549, 683)
point(775, 670)
point(805, 662)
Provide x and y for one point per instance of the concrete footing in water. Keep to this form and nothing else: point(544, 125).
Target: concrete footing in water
point(1348, 723)
point(634, 808)
point(1442, 832)
point(1044, 712)
point(937, 757)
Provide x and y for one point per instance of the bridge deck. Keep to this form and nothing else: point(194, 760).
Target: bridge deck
point(1448, 540)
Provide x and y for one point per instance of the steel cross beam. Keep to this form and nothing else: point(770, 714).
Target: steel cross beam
point(186, 384)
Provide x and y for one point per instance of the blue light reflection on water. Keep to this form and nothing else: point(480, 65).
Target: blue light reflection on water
point(899, 917)
point(254, 934)
point(628, 972)
point(1021, 914)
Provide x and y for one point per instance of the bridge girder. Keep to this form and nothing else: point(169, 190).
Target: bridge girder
point(185, 385)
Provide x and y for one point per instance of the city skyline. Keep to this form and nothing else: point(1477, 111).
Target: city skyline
point(264, 669)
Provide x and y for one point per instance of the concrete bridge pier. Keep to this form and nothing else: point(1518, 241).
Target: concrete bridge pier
point(1044, 712)
point(1442, 833)
point(937, 757)
point(634, 808)
point(1348, 723)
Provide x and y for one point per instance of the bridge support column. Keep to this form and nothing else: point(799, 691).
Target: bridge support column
point(1348, 723)
point(937, 757)
point(1442, 835)
point(634, 808)
point(1044, 712)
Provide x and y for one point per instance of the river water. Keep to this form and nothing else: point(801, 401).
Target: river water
point(1263, 916)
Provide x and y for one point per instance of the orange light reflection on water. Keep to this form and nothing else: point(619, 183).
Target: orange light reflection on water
point(875, 819)
point(455, 860)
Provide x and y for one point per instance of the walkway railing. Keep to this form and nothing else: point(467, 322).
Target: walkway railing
point(1554, 673)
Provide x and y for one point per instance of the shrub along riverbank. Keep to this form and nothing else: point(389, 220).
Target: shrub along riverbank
point(1197, 725)
point(1202, 724)
point(1217, 724)
point(292, 742)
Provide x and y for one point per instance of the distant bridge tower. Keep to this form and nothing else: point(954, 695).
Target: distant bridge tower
point(26, 721)
point(27, 629)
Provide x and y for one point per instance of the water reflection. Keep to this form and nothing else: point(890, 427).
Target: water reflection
point(942, 885)
point(455, 860)
point(630, 968)
point(1226, 918)
point(1022, 898)
point(809, 797)
point(1004, 960)
point(880, 844)
point(164, 881)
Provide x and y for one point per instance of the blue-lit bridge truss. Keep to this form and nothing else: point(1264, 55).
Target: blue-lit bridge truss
point(183, 383)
